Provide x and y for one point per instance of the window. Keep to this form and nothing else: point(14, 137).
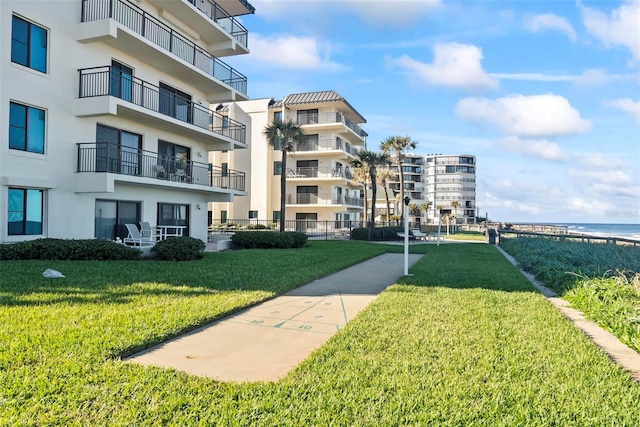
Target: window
point(117, 151)
point(277, 116)
point(26, 128)
point(111, 217)
point(223, 217)
point(174, 157)
point(225, 169)
point(275, 216)
point(28, 44)
point(306, 117)
point(25, 211)
point(277, 168)
point(253, 214)
point(175, 103)
point(121, 81)
point(173, 214)
point(309, 143)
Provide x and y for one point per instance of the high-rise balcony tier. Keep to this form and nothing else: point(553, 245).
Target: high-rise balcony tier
point(107, 91)
point(305, 173)
point(333, 121)
point(111, 162)
point(130, 29)
point(323, 199)
point(329, 146)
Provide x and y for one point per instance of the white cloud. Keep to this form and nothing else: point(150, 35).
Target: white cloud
point(536, 115)
point(304, 53)
point(541, 148)
point(627, 105)
point(620, 28)
point(549, 21)
point(534, 77)
point(592, 77)
point(454, 65)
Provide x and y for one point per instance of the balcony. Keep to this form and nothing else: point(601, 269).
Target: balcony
point(323, 199)
point(321, 173)
point(145, 167)
point(130, 29)
point(140, 100)
point(330, 146)
point(213, 23)
point(330, 119)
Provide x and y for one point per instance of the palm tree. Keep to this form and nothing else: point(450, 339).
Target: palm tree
point(370, 160)
point(455, 205)
point(395, 147)
point(425, 206)
point(384, 176)
point(361, 176)
point(283, 135)
point(412, 208)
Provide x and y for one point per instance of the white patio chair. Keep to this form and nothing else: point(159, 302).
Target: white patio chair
point(135, 238)
point(419, 235)
point(148, 232)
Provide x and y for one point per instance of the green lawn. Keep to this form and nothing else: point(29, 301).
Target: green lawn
point(467, 235)
point(465, 341)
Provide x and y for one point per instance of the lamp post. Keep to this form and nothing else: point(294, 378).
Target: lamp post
point(406, 235)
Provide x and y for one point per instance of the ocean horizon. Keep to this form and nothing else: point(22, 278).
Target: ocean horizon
point(602, 229)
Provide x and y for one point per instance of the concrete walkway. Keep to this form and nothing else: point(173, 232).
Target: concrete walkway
point(266, 341)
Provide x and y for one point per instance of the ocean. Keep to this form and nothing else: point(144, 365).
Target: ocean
point(629, 231)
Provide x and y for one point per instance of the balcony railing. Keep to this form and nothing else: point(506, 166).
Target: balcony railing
point(324, 172)
point(323, 199)
point(149, 27)
point(220, 16)
point(103, 81)
point(113, 158)
point(328, 118)
point(328, 144)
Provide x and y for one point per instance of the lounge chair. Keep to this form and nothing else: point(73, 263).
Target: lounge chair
point(401, 236)
point(419, 235)
point(147, 232)
point(135, 238)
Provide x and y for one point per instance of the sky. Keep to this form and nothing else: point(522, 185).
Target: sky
point(545, 94)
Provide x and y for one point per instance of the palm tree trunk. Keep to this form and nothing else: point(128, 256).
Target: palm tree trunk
point(386, 196)
point(374, 190)
point(364, 186)
point(283, 189)
point(401, 187)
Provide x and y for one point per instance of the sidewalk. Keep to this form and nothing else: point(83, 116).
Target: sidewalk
point(264, 342)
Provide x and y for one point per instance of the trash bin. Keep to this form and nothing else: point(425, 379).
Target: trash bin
point(492, 236)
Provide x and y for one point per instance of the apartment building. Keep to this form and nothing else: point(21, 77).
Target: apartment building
point(414, 183)
point(105, 118)
point(449, 179)
point(319, 181)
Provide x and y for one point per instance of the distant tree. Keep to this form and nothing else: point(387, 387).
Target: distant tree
point(370, 161)
point(455, 205)
point(361, 176)
point(384, 176)
point(396, 147)
point(285, 136)
point(425, 206)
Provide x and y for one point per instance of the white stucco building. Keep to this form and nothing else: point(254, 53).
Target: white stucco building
point(449, 179)
point(105, 119)
point(319, 182)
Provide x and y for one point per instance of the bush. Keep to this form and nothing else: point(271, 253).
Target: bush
point(68, 249)
point(179, 249)
point(377, 234)
point(268, 240)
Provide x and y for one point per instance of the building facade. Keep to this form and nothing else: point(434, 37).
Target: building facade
point(451, 185)
point(105, 118)
point(320, 186)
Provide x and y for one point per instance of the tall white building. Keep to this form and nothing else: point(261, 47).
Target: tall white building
point(105, 119)
point(319, 182)
point(451, 180)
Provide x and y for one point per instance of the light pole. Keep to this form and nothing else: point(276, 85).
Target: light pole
point(406, 235)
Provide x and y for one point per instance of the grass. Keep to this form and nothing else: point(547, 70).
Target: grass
point(601, 280)
point(465, 341)
point(467, 235)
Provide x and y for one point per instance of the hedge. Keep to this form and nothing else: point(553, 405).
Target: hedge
point(68, 249)
point(377, 234)
point(268, 240)
point(179, 249)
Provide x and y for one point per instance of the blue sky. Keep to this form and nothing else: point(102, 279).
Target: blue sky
point(546, 94)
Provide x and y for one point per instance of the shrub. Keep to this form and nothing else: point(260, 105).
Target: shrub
point(179, 249)
point(68, 249)
point(377, 234)
point(268, 240)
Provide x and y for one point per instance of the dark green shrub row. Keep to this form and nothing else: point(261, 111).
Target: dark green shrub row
point(179, 249)
point(268, 240)
point(377, 234)
point(66, 249)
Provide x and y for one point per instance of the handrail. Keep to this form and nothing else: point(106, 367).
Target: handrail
point(326, 145)
point(216, 13)
point(106, 80)
point(323, 172)
point(113, 158)
point(149, 27)
point(326, 118)
point(323, 199)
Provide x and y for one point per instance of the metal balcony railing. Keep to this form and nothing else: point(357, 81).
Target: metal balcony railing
point(149, 27)
point(327, 145)
point(324, 172)
point(323, 199)
point(328, 118)
point(101, 81)
point(220, 16)
point(113, 158)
